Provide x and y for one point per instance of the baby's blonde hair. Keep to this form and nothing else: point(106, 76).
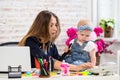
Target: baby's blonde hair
point(84, 22)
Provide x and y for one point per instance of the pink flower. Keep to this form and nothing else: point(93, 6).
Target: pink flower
point(71, 33)
point(101, 45)
point(98, 30)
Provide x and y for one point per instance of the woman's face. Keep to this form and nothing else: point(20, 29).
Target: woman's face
point(53, 27)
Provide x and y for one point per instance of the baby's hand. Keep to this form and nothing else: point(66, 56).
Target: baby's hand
point(87, 65)
point(83, 66)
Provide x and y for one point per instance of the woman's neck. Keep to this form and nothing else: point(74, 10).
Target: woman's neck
point(42, 40)
point(44, 44)
point(44, 47)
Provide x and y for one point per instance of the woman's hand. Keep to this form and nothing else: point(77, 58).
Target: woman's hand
point(66, 49)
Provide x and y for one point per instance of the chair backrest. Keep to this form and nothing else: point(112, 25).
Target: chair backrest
point(9, 44)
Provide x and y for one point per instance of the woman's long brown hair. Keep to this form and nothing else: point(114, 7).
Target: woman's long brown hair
point(40, 27)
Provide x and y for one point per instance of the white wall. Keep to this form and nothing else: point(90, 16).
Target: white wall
point(16, 16)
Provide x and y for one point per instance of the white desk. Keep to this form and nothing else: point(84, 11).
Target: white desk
point(4, 77)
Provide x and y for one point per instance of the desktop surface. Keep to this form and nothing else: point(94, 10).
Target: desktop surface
point(55, 75)
point(59, 77)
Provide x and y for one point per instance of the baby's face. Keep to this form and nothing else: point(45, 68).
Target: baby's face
point(84, 35)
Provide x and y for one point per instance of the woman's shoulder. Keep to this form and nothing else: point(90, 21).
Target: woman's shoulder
point(32, 38)
point(32, 41)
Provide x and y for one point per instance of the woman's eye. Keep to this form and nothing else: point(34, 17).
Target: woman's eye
point(51, 25)
point(56, 24)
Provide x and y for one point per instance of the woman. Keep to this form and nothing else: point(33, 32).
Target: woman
point(40, 38)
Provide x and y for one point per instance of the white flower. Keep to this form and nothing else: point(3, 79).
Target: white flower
point(110, 24)
point(107, 22)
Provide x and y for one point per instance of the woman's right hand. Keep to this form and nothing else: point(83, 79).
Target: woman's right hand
point(66, 49)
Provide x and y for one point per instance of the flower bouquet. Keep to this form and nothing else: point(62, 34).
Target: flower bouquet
point(101, 43)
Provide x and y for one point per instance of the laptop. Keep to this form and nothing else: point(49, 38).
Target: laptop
point(15, 56)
